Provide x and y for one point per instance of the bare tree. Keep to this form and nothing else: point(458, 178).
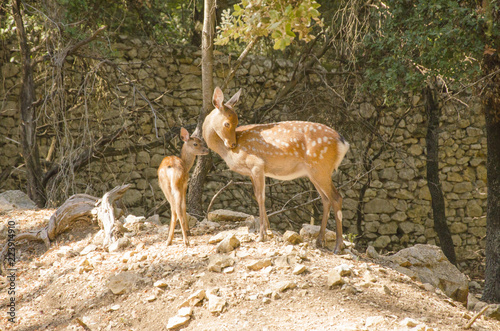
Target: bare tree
point(36, 190)
point(195, 205)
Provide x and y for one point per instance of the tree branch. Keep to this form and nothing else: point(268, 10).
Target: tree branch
point(238, 62)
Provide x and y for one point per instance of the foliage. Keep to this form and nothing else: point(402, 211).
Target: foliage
point(415, 40)
point(171, 21)
point(282, 20)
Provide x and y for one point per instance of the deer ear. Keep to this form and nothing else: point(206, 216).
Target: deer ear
point(218, 98)
point(234, 99)
point(184, 134)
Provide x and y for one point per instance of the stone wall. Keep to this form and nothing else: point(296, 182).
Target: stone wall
point(397, 211)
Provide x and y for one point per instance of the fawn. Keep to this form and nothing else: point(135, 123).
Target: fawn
point(173, 175)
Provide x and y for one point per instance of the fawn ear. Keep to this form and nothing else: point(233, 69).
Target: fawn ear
point(233, 100)
point(184, 134)
point(218, 98)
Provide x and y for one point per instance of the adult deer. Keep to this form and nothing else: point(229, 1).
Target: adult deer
point(284, 150)
point(173, 175)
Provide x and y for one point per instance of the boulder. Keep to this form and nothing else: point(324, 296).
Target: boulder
point(15, 199)
point(292, 237)
point(222, 215)
point(429, 264)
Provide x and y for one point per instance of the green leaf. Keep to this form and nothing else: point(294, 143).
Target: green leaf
point(288, 30)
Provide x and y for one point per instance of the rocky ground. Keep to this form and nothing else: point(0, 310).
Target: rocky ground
point(275, 285)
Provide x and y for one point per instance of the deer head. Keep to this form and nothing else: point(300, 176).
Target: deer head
point(223, 118)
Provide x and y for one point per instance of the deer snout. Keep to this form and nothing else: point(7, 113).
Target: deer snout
point(229, 144)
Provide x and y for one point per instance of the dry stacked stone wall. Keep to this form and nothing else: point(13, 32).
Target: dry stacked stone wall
point(397, 210)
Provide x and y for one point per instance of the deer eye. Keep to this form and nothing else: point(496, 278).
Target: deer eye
point(195, 144)
point(226, 124)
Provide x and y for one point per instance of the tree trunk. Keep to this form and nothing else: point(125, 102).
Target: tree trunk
point(35, 188)
point(491, 102)
point(197, 182)
point(438, 208)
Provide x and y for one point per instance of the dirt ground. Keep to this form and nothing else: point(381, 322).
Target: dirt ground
point(65, 288)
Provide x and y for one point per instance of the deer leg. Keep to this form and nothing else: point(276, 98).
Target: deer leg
point(183, 220)
point(259, 188)
point(330, 198)
point(336, 202)
point(320, 242)
point(173, 220)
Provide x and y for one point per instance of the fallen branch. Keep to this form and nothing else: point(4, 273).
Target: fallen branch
point(108, 216)
point(475, 317)
point(78, 207)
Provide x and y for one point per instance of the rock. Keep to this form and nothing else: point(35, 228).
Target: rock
point(407, 226)
point(259, 264)
point(493, 312)
point(114, 307)
point(379, 206)
point(191, 221)
point(177, 321)
point(252, 223)
point(473, 209)
point(311, 232)
point(292, 237)
point(471, 301)
point(408, 322)
point(298, 269)
point(15, 199)
point(154, 219)
point(388, 228)
point(344, 269)
point(430, 265)
point(209, 225)
point(382, 242)
point(217, 238)
point(119, 244)
point(194, 299)
point(130, 219)
point(151, 298)
point(390, 174)
point(185, 311)
point(161, 283)
point(217, 262)
point(228, 244)
point(216, 304)
point(334, 279)
point(190, 82)
point(84, 266)
point(122, 282)
point(281, 262)
point(366, 110)
point(284, 285)
point(222, 215)
point(9, 69)
point(88, 249)
point(98, 238)
point(372, 252)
